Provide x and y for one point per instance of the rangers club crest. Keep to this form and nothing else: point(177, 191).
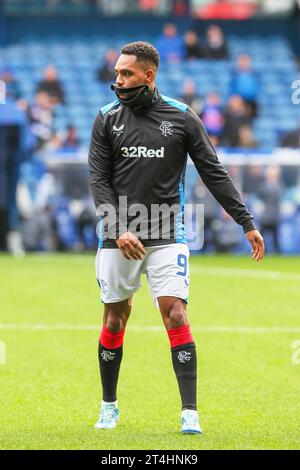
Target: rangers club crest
point(107, 356)
point(166, 128)
point(103, 286)
point(184, 356)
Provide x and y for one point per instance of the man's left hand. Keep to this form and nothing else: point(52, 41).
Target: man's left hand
point(257, 243)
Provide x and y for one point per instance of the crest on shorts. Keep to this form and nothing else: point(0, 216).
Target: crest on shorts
point(184, 356)
point(108, 356)
point(103, 286)
point(166, 128)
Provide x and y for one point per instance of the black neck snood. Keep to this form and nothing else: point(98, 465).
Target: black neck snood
point(138, 97)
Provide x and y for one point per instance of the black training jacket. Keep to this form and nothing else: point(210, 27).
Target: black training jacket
point(142, 154)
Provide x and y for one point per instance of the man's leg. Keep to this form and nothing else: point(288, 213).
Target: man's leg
point(110, 350)
point(184, 358)
point(167, 270)
point(118, 278)
point(183, 348)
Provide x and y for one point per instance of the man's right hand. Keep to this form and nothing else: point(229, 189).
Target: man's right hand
point(130, 246)
point(257, 243)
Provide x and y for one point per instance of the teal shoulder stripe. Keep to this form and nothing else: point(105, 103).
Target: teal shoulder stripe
point(177, 104)
point(108, 107)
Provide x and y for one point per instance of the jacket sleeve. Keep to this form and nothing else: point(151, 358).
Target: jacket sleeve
point(212, 172)
point(100, 169)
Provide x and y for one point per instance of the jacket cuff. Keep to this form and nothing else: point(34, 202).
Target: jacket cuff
point(249, 225)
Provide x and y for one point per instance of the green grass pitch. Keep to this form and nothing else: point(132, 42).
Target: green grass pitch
point(248, 384)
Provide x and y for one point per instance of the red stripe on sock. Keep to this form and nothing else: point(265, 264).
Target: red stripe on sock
point(180, 335)
point(111, 340)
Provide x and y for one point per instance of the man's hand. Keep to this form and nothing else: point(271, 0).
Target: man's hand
point(257, 243)
point(130, 246)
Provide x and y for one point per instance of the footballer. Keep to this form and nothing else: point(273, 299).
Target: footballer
point(138, 155)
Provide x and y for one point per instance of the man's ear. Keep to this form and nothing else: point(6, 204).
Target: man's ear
point(150, 76)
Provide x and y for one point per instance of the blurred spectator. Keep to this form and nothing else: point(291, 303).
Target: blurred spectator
point(225, 9)
point(246, 137)
point(270, 192)
point(212, 115)
point(214, 140)
point(201, 195)
point(190, 96)
point(235, 172)
point(10, 152)
point(170, 45)
point(216, 47)
point(13, 92)
point(106, 72)
point(291, 139)
point(180, 7)
point(74, 181)
point(40, 116)
point(226, 233)
point(71, 142)
point(193, 49)
point(87, 221)
point(55, 4)
point(153, 6)
point(245, 82)
point(235, 116)
point(65, 224)
point(52, 85)
point(253, 178)
point(39, 231)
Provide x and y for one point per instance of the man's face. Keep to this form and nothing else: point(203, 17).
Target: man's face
point(244, 62)
point(130, 73)
point(50, 74)
point(43, 100)
point(6, 76)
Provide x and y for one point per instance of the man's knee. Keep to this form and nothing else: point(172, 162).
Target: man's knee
point(114, 323)
point(116, 316)
point(177, 314)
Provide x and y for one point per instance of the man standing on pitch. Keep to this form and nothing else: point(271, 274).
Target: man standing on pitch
point(137, 160)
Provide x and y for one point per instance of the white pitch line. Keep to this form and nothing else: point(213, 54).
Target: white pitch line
point(153, 329)
point(209, 270)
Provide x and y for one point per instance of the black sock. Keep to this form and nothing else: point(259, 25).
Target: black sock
point(184, 358)
point(109, 364)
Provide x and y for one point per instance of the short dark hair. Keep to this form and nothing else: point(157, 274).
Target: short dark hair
point(144, 52)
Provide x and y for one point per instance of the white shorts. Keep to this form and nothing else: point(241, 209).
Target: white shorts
point(166, 268)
